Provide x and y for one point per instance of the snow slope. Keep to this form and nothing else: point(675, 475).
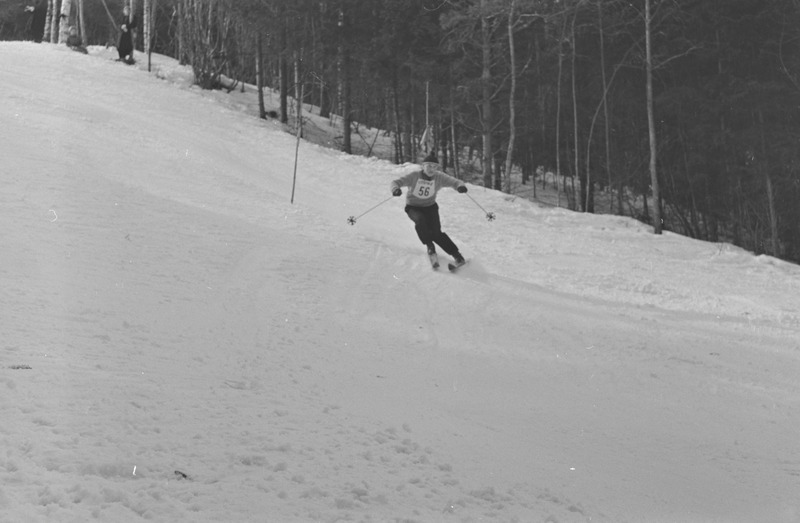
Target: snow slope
point(180, 343)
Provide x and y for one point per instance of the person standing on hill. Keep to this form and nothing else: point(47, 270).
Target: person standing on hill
point(38, 19)
point(422, 209)
point(126, 27)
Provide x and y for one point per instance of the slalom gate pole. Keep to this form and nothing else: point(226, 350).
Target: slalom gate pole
point(297, 145)
point(489, 215)
point(353, 219)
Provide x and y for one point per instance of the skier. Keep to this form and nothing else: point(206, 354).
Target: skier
point(127, 25)
point(423, 210)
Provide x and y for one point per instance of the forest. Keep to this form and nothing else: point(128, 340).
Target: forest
point(684, 114)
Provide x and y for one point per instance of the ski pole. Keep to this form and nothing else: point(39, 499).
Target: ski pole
point(353, 219)
point(489, 215)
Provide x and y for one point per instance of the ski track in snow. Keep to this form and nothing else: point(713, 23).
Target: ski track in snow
point(166, 309)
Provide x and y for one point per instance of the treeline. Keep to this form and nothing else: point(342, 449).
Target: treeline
point(689, 108)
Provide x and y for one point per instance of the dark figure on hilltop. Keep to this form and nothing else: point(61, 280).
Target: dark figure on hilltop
point(126, 27)
point(38, 18)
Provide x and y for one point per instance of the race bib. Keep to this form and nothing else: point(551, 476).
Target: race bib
point(424, 189)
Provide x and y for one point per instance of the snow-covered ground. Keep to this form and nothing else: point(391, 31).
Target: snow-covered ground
point(181, 343)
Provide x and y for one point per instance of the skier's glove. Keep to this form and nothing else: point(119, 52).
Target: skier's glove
point(462, 188)
point(397, 192)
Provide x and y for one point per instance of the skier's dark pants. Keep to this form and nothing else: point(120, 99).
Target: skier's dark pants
point(429, 228)
point(125, 46)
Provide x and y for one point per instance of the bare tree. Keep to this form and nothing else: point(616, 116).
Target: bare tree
point(651, 123)
point(562, 38)
point(205, 29)
point(262, 112)
point(511, 97)
point(66, 14)
point(82, 23)
point(148, 28)
point(575, 135)
point(54, 18)
point(607, 123)
point(486, 92)
point(345, 84)
point(764, 167)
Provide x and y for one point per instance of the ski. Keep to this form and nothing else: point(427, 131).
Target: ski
point(453, 267)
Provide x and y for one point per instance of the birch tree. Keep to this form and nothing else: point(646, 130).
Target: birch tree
point(48, 23)
point(54, 20)
point(66, 16)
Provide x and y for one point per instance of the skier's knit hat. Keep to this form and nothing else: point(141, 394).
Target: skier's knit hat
point(431, 158)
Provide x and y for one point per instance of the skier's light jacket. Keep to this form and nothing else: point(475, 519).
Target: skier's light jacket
point(422, 189)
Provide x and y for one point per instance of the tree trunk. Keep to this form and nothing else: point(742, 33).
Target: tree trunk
point(411, 124)
point(299, 89)
point(575, 137)
point(589, 193)
point(408, 125)
point(511, 97)
point(558, 107)
point(181, 34)
point(149, 30)
point(486, 116)
point(765, 168)
point(82, 23)
point(398, 128)
point(65, 14)
point(48, 21)
point(146, 28)
point(542, 104)
point(444, 142)
point(262, 111)
point(324, 98)
point(344, 86)
point(428, 141)
point(690, 185)
point(318, 61)
point(54, 25)
point(298, 74)
point(453, 142)
point(651, 122)
point(347, 119)
point(606, 121)
point(283, 72)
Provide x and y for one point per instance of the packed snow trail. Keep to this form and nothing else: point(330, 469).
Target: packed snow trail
point(167, 309)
